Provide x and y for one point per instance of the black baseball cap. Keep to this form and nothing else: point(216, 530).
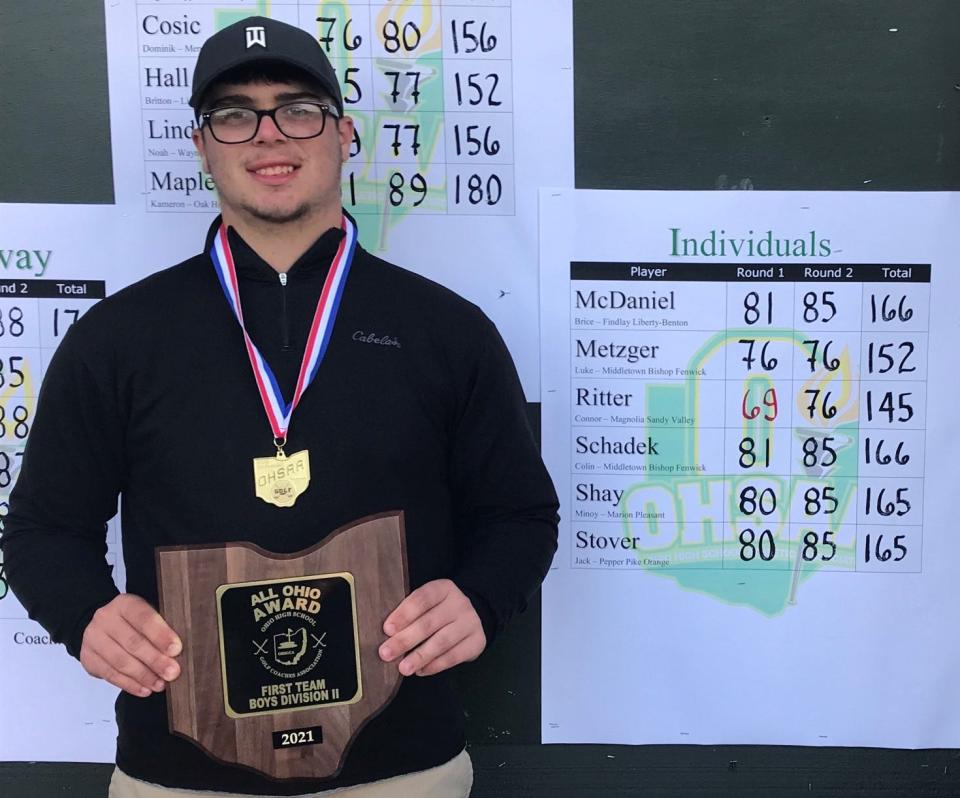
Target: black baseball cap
point(258, 39)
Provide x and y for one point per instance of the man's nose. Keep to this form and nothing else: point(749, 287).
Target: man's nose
point(268, 130)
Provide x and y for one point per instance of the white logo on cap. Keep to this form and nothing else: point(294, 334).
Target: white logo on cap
point(256, 35)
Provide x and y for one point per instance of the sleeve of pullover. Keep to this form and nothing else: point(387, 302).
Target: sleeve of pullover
point(54, 537)
point(506, 503)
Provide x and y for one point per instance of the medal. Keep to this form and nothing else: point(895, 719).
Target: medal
point(281, 479)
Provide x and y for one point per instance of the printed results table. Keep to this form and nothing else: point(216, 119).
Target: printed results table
point(748, 417)
point(34, 316)
point(427, 82)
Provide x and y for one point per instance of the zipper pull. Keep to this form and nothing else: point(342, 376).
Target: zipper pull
point(284, 323)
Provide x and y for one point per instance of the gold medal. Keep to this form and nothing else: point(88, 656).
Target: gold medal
point(280, 479)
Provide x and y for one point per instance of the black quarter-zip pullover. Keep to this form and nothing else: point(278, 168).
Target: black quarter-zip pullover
point(416, 407)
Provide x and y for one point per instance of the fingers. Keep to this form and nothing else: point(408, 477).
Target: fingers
point(140, 615)
point(128, 644)
point(450, 646)
point(95, 665)
point(434, 628)
point(466, 650)
point(132, 641)
point(419, 602)
point(416, 633)
point(111, 662)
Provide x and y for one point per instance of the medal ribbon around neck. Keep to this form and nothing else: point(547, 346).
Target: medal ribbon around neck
point(278, 411)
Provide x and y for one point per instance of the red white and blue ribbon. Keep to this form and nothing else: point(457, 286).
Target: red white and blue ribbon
point(279, 411)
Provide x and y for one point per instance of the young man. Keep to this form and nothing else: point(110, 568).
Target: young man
point(415, 405)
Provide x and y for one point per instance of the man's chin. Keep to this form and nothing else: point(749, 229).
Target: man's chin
point(277, 215)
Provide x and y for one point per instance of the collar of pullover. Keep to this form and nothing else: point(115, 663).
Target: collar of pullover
point(250, 266)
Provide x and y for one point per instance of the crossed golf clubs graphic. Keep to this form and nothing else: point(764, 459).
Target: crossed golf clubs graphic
point(261, 648)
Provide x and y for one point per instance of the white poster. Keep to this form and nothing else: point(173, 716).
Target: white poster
point(462, 108)
point(747, 403)
point(55, 265)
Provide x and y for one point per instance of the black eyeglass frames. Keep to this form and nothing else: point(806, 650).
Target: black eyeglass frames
point(297, 120)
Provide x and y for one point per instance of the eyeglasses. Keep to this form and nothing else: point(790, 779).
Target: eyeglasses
point(299, 120)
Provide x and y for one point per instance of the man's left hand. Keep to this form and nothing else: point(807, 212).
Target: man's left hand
point(434, 628)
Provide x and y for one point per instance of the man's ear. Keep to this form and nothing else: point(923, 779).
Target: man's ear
point(198, 142)
point(345, 131)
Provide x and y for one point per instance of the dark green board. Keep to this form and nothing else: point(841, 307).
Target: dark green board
point(54, 110)
point(670, 94)
point(768, 94)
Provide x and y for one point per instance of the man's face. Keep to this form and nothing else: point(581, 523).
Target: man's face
point(271, 177)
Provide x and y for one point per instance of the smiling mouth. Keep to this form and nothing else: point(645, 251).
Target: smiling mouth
point(272, 171)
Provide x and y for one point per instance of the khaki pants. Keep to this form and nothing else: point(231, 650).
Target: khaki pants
point(452, 779)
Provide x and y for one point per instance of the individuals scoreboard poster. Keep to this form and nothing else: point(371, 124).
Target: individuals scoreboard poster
point(463, 108)
point(748, 411)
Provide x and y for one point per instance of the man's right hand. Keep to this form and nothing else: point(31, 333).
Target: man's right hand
point(128, 644)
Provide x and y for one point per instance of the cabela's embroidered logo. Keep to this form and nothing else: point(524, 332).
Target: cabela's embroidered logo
point(379, 340)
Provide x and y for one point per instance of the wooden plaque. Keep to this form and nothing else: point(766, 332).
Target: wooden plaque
point(280, 670)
